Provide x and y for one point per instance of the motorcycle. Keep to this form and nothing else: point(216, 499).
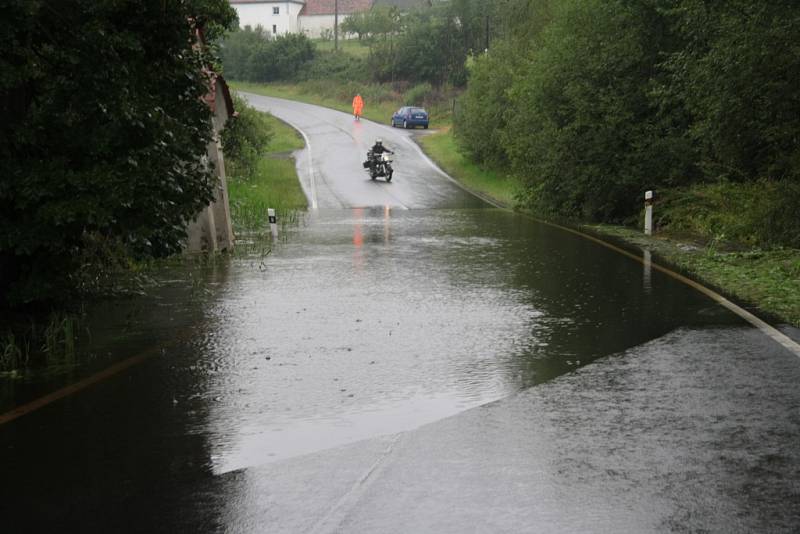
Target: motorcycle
point(379, 165)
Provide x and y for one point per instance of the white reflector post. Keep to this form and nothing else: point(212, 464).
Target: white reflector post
point(648, 213)
point(273, 222)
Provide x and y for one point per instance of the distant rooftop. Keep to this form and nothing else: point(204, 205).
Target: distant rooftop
point(265, 1)
point(402, 4)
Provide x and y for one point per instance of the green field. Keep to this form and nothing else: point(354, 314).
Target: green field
point(354, 47)
point(285, 138)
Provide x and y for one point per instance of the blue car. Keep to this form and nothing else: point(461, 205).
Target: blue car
point(410, 117)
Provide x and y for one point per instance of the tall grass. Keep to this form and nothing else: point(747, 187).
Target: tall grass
point(763, 214)
point(52, 341)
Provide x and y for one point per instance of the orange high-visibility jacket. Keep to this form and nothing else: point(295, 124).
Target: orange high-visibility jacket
point(358, 105)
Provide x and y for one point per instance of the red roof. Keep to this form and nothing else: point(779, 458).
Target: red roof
point(326, 7)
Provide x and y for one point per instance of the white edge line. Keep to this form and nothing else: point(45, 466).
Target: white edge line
point(312, 180)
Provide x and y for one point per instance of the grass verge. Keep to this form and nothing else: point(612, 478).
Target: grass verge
point(274, 183)
point(498, 186)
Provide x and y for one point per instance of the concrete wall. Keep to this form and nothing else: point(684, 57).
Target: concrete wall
point(212, 230)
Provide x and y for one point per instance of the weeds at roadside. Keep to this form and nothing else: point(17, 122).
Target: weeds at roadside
point(54, 342)
point(15, 353)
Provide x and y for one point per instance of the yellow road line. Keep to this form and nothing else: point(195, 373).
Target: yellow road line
point(41, 402)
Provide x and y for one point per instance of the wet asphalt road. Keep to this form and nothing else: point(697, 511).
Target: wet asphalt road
point(409, 359)
point(331, 171)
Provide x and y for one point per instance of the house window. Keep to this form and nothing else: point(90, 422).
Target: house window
point(274, 29)
point(276, 11)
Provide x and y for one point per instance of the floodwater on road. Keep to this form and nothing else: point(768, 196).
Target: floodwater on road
point(360, 324)
point(373, 321)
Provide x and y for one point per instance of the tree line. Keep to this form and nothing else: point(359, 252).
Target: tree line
point(427, 44)
point(592, 102)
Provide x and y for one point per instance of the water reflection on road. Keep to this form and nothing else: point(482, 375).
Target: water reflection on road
point(361, 323)
point(373, 321)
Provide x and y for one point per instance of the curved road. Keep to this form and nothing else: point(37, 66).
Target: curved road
point(404, 359)
point(331, 170)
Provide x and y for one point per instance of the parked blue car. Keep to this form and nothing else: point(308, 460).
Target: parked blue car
point(410, 117)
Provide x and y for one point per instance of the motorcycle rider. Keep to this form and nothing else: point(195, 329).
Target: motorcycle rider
point(376, 150)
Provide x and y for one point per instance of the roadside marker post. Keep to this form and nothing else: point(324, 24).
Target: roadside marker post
point(273, 222)
point(648, 212)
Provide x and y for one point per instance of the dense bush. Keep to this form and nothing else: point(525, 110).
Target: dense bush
point(480, 121)
point(333, 66)
point(245, 139)
point(252, 55)
point(737, 75)
point(418, 95)
point(752, 213)
point(104, 137)
point(431, 45)
point(238, 47)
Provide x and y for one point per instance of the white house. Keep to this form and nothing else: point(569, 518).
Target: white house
point(276, 17)
point(311, 17)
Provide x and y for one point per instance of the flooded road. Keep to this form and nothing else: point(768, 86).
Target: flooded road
point(430, 364)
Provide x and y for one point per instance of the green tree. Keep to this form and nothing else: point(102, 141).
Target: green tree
point(738, 75)
point(355, 24)
point(238, 47)
point(245, 139)
point(585, 132)
point(481, 120)
point(105, 132)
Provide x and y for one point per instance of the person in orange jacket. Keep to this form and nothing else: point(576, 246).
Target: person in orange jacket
point(358, 105)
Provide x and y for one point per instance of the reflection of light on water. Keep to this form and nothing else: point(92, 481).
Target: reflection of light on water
point(358, 238)
point(287, 438)
point(647, 283)
point(358, 134)
point(357, 331)
point(387, 215)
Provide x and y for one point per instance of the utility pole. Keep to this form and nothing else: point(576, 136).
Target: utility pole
point(487, 34)
point(335, 24)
